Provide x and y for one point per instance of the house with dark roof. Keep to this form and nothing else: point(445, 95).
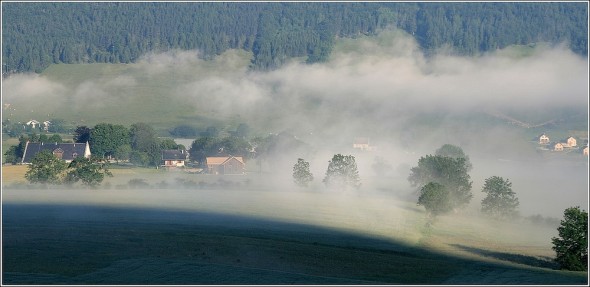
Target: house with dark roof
point(225, 165)
point(64, 151)
point(174, 158)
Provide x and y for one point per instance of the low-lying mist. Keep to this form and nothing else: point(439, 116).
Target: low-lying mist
point(383, 88)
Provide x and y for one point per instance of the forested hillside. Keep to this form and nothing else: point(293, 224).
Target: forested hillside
point(35, 35)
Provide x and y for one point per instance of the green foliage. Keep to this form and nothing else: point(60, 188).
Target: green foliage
point(454, 152)
point(91, 171)
point(45, 168)
point(106, 138)
point(139, 158)
point(143, 139)
point(123, 152)
point(168, 143)
point(501, 202)
point(447, 171)
point(572, 244)
point(82, 134)
point(11, 155)
point(342, 172)
point(301, 174)
point(36, 35)
point(436, 198)
point(142, 136)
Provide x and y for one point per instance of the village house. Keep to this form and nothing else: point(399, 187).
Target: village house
point(585, 151)
point(174, 158)
point(64, 151)
point(571, 142)
point(558, 147)
point(362, 143)
point(543, 139)
point(33, 123)
point(225, 165)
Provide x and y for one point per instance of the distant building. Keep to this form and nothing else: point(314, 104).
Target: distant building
point(33, 123)
point(362, 143)
point(585, 151)
point(64, 151)
point(558, 147)
point(543, 139)
point(174, 158)
point(571, 142)
point(46, 125)
point(225, 165)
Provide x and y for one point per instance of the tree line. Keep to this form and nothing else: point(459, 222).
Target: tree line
point(36, 35)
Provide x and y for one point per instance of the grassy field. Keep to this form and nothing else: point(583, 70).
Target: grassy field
point(204, 229)
point(263, 237)
point(249, 231)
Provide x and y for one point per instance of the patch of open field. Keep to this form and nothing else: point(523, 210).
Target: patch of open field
point(217, 236)
point(13, 173)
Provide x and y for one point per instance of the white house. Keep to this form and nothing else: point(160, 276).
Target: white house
point(33, 123)
point(543, 139)
point(46, 125)
point(571, 142)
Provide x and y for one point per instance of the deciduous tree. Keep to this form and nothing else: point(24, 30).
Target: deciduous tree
point(342, 172)
point(435, 198)
point(447, 171)
point(90, 171)
point(571, 245)
point(501, 202)
point(106, 138)
point(45, 168)
point(301, 173)
point(454, 152)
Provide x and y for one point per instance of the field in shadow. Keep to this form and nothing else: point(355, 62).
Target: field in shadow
point(83, 244)
point(512, 257)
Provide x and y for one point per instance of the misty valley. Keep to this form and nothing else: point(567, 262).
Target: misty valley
point(377, 157)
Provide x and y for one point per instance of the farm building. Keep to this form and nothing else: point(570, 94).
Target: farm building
point(174, 158)
point(64, 151)
point(543, 139)
point(225, 165)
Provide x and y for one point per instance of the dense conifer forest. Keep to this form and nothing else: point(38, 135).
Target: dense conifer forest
point(35, 35)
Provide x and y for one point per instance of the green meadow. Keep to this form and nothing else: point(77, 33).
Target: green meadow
point(250, 232)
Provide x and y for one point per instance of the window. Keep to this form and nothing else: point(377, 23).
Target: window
point(58, 152)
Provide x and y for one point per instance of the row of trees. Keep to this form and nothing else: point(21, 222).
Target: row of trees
point(342, 173)
point(138, 144)
point(36, 35)
point(444, 185)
